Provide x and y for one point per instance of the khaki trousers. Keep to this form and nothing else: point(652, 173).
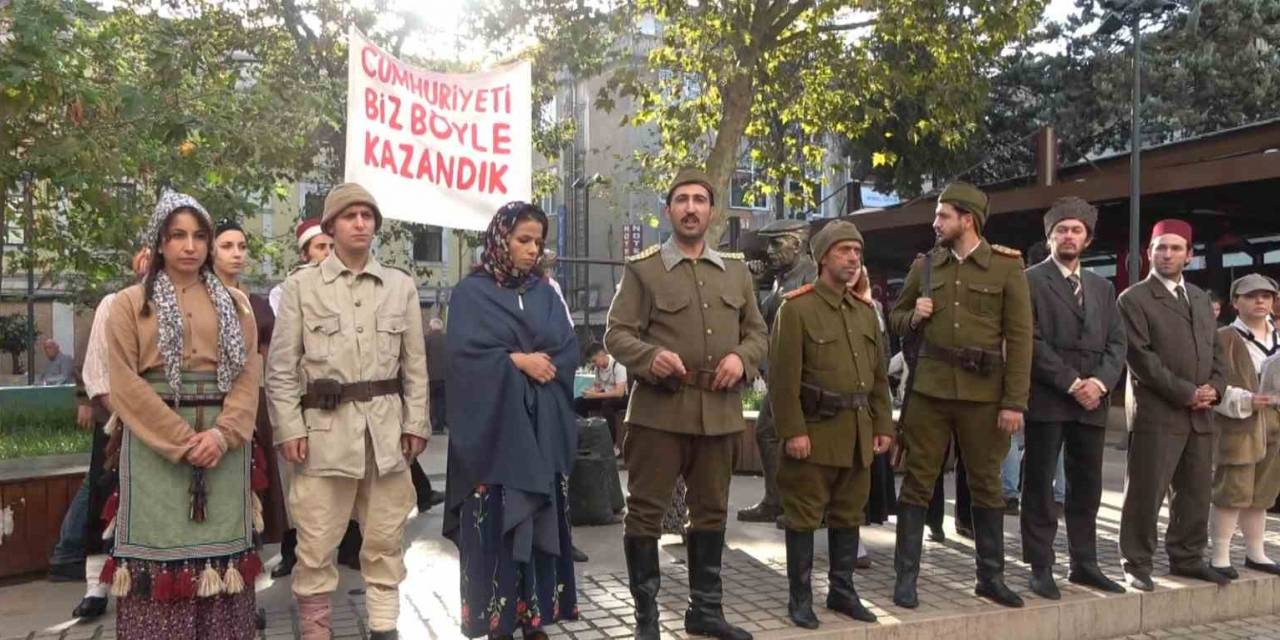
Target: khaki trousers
point(656, 458)
point(321, 507)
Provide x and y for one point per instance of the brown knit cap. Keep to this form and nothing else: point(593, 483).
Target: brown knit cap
point(834, 232)
point(1070, 208)
point(345, 195)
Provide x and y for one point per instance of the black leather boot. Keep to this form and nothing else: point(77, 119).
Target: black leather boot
point(705, 616)
point(645, 579)
point(288, 555)
point(799, 582)
point(841, 596)
point(906, 554)
point(384, 635)
point(988, 539)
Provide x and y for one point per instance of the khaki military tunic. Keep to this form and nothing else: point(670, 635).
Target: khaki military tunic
point(830, 339)
point(700, 309)
point(982, 301)
point(335, 324)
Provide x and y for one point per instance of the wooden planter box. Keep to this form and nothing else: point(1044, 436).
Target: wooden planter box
point(34, 496)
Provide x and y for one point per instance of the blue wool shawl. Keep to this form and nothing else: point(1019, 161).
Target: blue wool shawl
point(504, 428)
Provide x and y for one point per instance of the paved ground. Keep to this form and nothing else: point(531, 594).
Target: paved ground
point(754, 574)
point(1247, 628)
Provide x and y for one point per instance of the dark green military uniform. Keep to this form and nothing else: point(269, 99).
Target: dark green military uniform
point(980, 303)
point(974, 360)
point(828, 339)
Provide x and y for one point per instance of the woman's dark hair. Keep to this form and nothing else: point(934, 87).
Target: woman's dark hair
point(535, 213)
point(593, 349)
point(225, 225)
point(157, 256)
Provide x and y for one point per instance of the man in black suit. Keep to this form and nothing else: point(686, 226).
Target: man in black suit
point(1176, 375)
point(1076, 361)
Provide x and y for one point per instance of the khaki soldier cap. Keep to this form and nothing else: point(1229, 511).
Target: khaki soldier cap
point(345, 195)
point(692, 175)
point(1070, 208)
point(969, 198)
point(835, 232)
point(1252, 283)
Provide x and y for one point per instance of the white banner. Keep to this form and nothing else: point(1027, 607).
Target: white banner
point(437, 148)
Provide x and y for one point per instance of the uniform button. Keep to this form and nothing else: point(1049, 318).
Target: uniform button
point(957, 303)
point(361, 329)
point(699, 283)
point(708, 358)
point(708, 332)
point(957, 283)
point(957, 325)
point(357, 303)
point(706, 306)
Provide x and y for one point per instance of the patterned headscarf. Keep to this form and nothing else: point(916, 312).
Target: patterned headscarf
point(231, 349)
point(496, 260)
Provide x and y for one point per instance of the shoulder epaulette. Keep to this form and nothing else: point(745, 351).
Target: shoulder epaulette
point(1006, 251)
point(647, 253)
point(797, 292)
point(733, 255)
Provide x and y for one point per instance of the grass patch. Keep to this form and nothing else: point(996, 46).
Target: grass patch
point(26, 433)
point(751, 399)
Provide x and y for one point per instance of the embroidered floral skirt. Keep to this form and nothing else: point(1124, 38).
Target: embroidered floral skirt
point(222, 617)
point(500, 595)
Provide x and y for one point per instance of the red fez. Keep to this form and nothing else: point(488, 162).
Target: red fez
point(1172, 226)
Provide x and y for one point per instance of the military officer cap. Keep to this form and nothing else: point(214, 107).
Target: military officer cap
point(967, 197)
point(1252, 283)
point(692, 175)
point(1070, 208)
point(783, 227)
point(835, 232)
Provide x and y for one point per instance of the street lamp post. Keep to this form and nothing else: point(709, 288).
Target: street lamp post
point(1120, 10)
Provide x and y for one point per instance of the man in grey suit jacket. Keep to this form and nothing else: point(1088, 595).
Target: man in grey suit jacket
point(1077, 359)
point(1176, 375)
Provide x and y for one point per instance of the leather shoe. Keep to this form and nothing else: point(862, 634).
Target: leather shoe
point(432, 499)
point(1265, 567)
point(1043, 585)
point(936, 534)
point(578, 555)
point(1090, 575)
point(760, 513)
point(964, 530)
point(1228, 571)
point(1139, 581)
point(1011, 507)
point(384, 635)
point(90, 608)
point(1201, 572)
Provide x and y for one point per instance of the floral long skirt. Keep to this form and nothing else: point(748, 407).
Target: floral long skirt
point(676, 518)
point(500, 595)
point(222, 617)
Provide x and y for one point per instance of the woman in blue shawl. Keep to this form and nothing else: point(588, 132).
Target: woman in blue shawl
point(512, 436)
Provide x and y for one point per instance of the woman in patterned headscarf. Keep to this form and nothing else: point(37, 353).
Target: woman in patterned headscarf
point(512, 438)
point(184, 369)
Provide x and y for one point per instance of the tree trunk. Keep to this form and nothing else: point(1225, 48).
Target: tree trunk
point(736, 96)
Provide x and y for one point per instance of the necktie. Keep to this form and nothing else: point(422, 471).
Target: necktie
point(1182, 296)
point(1076, 289)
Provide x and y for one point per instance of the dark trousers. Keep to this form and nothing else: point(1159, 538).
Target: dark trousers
point(656, 458)
point(930, 425)
point(421, 483)
point(436, 389)
point(1082, 447)
point(1180, 465)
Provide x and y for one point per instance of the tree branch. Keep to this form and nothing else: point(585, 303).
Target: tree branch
point(826, 28)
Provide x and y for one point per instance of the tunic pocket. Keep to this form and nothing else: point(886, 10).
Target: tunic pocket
point(319, 335)
point(820, 349)
point(671, 305)
point(390, 334)
point(985, 299)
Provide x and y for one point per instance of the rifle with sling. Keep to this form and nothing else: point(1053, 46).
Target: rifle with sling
point(912, 344)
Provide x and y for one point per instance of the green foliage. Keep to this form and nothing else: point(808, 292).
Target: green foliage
point(26, 433)
point(751, 399)
point(14, 339)
point(779, 77)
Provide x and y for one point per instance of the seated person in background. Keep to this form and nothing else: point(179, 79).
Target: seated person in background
point(610, 386)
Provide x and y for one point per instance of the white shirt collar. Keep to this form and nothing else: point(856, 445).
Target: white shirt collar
point(968, 253)
point(1170, 284)
point(1062, 268)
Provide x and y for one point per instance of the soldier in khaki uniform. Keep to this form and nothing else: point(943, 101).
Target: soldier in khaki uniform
point(830, 397)
point(686, 326)
point(973, 377)
point(347, 382)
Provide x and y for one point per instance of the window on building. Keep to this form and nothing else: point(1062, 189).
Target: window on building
point(313, 205)
point(740, 186)
point(428, 243)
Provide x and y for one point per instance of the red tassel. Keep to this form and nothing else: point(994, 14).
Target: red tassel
point(110, 507)
point(162, 585)
point(108, 572)
point(184, 587)
point(258, 476)
point(250, 567)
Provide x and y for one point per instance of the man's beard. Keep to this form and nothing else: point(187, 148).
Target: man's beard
point(1066, 254)
point(946, 240)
